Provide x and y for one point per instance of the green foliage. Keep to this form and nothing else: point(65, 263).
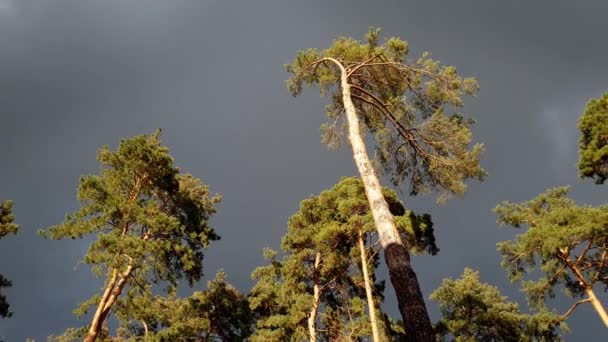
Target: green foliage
point(4, 305)
point(220, 313)
point(74, 335)
point(335, 216)
point(593, 143)
point(413, 107)
point(475, 311)
point(7, 226)
point(567, 241)
point(147, 218)
point(78, 335)
point(281, 310)
point(329, 225)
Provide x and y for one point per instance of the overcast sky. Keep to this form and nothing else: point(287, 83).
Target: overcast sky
point(78, 74)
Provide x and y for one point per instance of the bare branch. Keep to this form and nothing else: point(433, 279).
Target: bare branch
point(580, 258)
point(362, 64)
point(565, 315)
point(599, 269)
point(137, 283)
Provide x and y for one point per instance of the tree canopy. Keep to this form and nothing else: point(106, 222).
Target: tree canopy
point(412, 106)
point(567, 241)
point(475, 311)
point(593, 143)
point(220, 313)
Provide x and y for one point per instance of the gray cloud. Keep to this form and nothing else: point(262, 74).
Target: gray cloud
point(7, 7)
point(78, 74)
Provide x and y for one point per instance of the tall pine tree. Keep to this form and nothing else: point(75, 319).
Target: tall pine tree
point(149, 219)
point(412, 107)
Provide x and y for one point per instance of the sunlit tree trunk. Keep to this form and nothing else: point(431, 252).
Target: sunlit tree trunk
point(597, 305)
point(312, 319)
point(109, 298)
point(96, 322)
point(409, 295)
point(368, 289)
point(588, 286)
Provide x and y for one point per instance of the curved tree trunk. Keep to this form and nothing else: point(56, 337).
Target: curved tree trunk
point(409, 296)
point(368, 290)
point(597, 305)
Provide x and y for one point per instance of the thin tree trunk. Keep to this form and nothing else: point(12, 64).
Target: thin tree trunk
point(597, 305)
point(368, 289)
point(312, 319)
point(409, 296)
point(145, 328)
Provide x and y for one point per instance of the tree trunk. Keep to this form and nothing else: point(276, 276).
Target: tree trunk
point(110, 296)
point(368, 290)
point(418, 326)
point(113, 289)
point(409, 296)
point(588, 286)
point(312, 319)
point(96, 322)
point(597, 305)
point(143, 323)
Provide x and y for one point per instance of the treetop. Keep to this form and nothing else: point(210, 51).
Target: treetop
point(412, 107)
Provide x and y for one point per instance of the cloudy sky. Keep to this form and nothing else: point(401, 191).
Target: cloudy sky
point(78, 74)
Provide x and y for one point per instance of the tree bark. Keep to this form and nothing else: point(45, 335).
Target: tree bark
point(417, 323)
point(368, 290)
point(312, 319)
point(597, 305)
point(409, 296)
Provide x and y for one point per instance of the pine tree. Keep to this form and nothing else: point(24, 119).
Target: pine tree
point(475, 311)
point(569, 242)
point(150, 222)
point(412, 108)
point(593, 143)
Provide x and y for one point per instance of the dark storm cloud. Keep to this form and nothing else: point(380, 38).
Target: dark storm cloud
point(75, 75)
